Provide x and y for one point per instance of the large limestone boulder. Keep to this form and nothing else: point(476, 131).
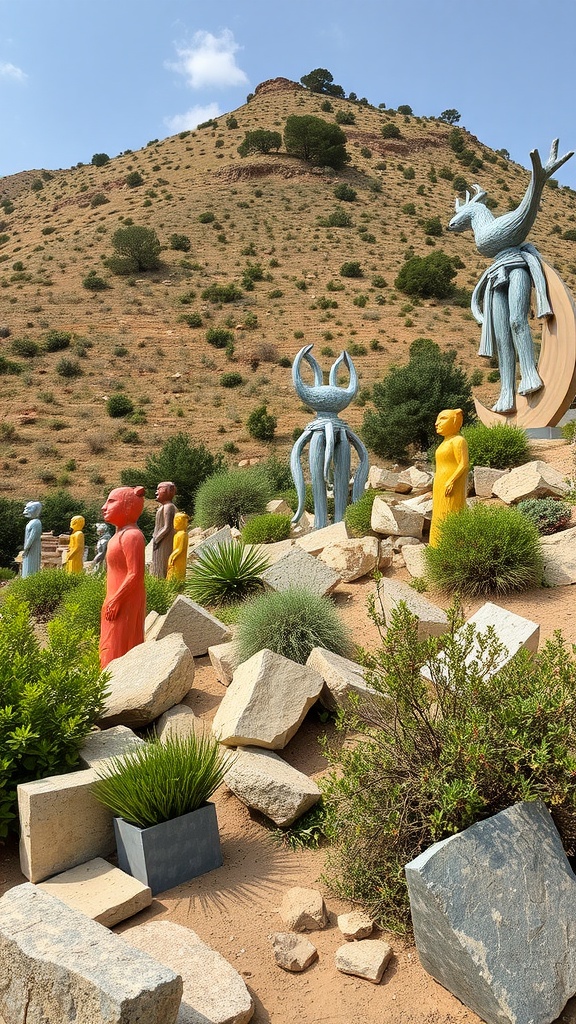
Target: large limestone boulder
point(532, 480)
point(418, 480)
point(493, 911)
point(485, 478)
point(181, 722)
point(297, 568)
point(213, 992)
point(351, 558)
point(395, 520)
point(317, 540)
point(559, 553)
point(266, 702)
point(414, 558)
point(263, 780)
point(198, 627)
point(273, 552)
point(57, 965)
point(224, 659)
point(432, 621)
point(382, 479)
point(147, 681)
point(102, 744)
point(342, 677)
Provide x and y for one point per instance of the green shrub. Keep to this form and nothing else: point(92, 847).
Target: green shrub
point(9, 366)
point(427, 276)
point(137, 249)
point(345, 193)
point(485, 550)
point(43, 591)
point(439, 763)
point(139, 786)
point(339, 218)
point(160, 593)
point(207, 217)
point(119, 405)
point(134, 179)
point(222, 293)
point(226, 573)
point(568, 430)
point(547, 514)
point(99, 199)
point(185, 464)
point(25, 347)
point(432, 226)
point(569, 234)
point(261, 424)
point(499, 446)
point(291, 623)
point(350, 269)
point(94, 283)
point(261, 140)
point(266, 529)
point(219, 337)
point(233, 379)
point(345, 117)
point(84, 602)
point(391, 131)
point(49, 699)
point(181, 243)
point(56, 341)
point(192, 319)
point(231, 496)
point(315, 140)
point(68, 368)
point(358, 514)
point(12, 524)
point(100, 159)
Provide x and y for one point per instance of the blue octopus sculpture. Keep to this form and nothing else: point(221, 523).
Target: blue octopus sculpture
point(330, 439)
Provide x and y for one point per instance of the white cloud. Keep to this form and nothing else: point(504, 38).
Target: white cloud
point(210, 61)
point(11, 71)
point(192, 118)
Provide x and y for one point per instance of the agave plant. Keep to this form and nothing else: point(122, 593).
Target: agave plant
point(225, 573)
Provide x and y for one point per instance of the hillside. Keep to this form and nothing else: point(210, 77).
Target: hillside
point(56, 228)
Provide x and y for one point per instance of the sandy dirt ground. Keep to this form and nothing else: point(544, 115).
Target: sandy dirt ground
point(234, 909)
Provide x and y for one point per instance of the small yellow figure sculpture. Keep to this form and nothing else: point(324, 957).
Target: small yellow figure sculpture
point(75, 556)
point(177, 560)
point(452, 465)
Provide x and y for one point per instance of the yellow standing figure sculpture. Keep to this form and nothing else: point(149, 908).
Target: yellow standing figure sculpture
point(75, 555)
point(177, 560)
point(452, 465)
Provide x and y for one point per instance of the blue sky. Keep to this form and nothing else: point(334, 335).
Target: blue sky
point(80, 77)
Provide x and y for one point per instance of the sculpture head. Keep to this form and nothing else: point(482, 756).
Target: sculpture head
point(165, 491)
point(33, 509)
point(324, 398)
point(77, 523)
point(465, 211)
point(123, 505)
point(101, 529)
point(449, 422)
point(180, 521)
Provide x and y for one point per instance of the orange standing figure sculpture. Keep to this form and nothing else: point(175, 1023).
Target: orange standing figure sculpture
point(75, 553)
point(177, 560)
point(124, 609)
point(452, 465)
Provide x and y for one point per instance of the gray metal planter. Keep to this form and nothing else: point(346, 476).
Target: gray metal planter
point(172, 852)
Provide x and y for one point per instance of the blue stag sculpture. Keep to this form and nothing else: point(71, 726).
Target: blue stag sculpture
point(501, 299)
point(330, 439)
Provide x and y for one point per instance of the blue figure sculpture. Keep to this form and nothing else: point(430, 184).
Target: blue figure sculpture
point(31, 560)
point(330, 439)
point(501, 299)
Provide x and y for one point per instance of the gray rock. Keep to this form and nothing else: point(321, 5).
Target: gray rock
point(199, 628)
point(342, 677)
point(296, 569)
point(494, 915)
point(418, 480)
point(223, 536)
point(303, 910)
point(532, 480)
point(262, 780)
point(180, 721)
point(395, 520)
point(57, 965)
point(351, 558)
point(355, 925)
point(485, 478)
point(224, 660)
point(147, 681)
point(105, 743)
point(366, 959)
point(413, 557)
point(559, 552)
point(382, 479)
point(402, 542)
point(385, 553)
point(432, 621)
point(214, 993)
point(293, 952)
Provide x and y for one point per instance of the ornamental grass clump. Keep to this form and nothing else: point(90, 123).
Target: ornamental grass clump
point(226, 573)
point(231, 496)
point(499, 446)
point(358, 515)
point(485, 550)
point(291, 623)
point(267, 528)
point(159, 781)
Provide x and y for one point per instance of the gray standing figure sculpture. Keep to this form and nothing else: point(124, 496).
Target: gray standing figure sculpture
point(163, 529)
point(104, 535)
point(32, 551)
point(330, 439)
point(501, 299)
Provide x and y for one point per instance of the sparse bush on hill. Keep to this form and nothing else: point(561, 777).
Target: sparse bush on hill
point(207, 217)
point(231, 122)
point(94, 283)
point(345, 117)
point(350, 269)
point(98, 200)
point(230, 497)
point(345, 193)
point(231, 380)
point(261, 424)
point(321, 80)
point(56, 341)
point(260, 141)
point(427, 276)
point(68, 368)
point(137, 248)
point(315, 140)
point(100, 159)
point(134, 179)
point(181, 243)
point(24, 347)
point(219, 337)
point(291, 623)
point(499, 446)
point(222, 293)
point(185, 464)
point(119, 405)
point(433, 226)
point(391, 131)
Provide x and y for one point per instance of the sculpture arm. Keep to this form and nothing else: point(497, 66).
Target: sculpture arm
point(460, 449)
point(132, 544)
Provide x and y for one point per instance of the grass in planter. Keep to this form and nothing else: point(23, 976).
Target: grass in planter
point(160, 781)
point(225, 574)
point(291, 623)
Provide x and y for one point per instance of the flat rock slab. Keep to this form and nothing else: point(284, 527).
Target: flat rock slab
point(559, 552)
point(214, 993)
point(414, 558)
point(57, 965)
point(432, 621)
point(224, 660)
point(279, 507)
point(299, 569)
point(303, 910)
point(180, 721)
point(317, 540)
point(532, 480)
point(395, 520)
point(485, 478)
point(100, 891)
point(494, 915)
point(103, 744)
point(342, 677)
point(366, 959)
point(148, 680)
point(382, 479)
point(293, 952)
point(419, 480)
point(351, 558)
point(222, 536)
point(263, 780)
point(62, 824)
point(198, 627)
point(266, 702)
point(355, 925)
point(273, 552)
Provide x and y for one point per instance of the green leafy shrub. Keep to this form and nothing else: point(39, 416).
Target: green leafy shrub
point(119, 405)
point(391, 131)
point(185, 464)
point(433, 226)
point(291, 623)
point(485, 550)
point(345, 192)
point(49, 699)
point(56, 341)
point(315, 140)
point(25, 347)
point(11, 530)
point(134, 179)
point(345, 117)
point(233, 379)
point(358, 515)
point(222, 293)
point(499, 446)
point(68, 368)
point(339, 218)
point(226, 573)
point(350, 269)
point(207, 217)
point(139, 786)
point(427, 276)
point(547, 514)
point(444, 760)
point(231, 496)
point(261, 140)
point(261, 424)
point(100, 159)
point(219, 337)
point(266, 529)
point(192, 319)
point(181, 243)
point(94, 283)
point(43, 591)
point(99, 199)
point(9, 366)
point(137, 249)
